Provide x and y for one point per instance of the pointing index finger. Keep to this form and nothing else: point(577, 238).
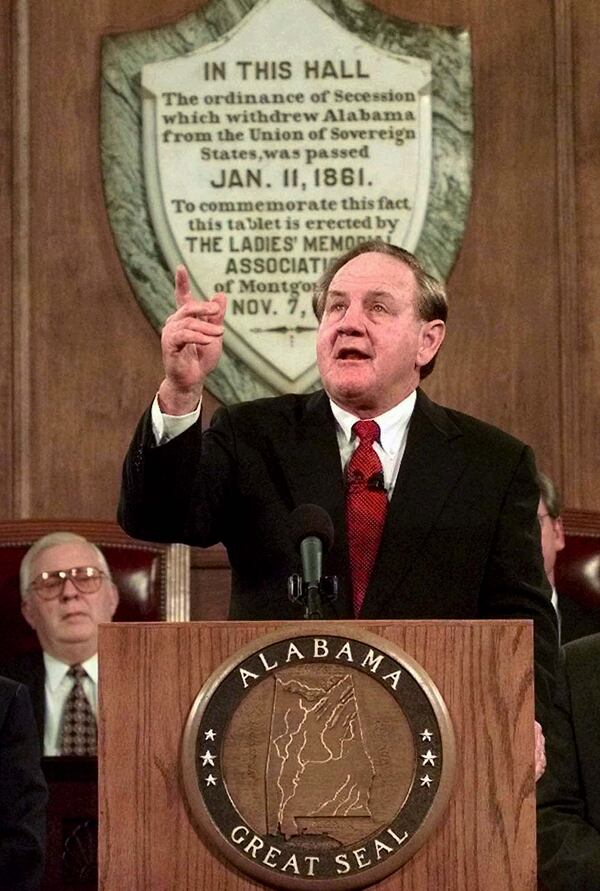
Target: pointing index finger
point(221, 300)
point(182, 286)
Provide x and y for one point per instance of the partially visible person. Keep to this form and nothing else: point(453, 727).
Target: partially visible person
point(569, 792)
point(23, 792)
point(66, 591)
point(551, 528)
point(575, 619)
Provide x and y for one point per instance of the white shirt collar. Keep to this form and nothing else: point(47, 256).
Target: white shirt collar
point(391, 422)
point(56, 670)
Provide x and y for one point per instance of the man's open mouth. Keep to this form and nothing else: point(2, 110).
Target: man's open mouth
point(348, 353)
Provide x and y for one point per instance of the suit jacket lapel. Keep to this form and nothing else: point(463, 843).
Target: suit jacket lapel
point(312, 466)
point(432, 463)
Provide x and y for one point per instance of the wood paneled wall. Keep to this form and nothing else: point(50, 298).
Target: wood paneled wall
point(80, 361)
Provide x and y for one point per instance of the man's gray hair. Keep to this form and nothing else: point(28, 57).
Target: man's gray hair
point(51, 541)
point(550, 495)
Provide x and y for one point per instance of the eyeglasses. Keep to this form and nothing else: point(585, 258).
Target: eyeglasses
point(49, 585)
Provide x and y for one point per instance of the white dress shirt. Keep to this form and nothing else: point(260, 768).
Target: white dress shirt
point(393, 427)
point(57, 688)
point(555, 605)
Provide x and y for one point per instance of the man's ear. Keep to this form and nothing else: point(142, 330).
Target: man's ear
point(559, 533)
point(432, 337)
point(27, 613)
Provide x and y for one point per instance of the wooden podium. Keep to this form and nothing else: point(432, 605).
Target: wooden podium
point(151, 674)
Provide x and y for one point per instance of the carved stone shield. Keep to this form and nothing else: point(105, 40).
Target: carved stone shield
point(260, 141)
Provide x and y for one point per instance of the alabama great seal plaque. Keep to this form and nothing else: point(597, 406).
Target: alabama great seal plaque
point(318, 756)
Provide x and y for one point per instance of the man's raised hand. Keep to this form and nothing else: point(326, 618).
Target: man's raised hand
point(540, 751)
point(192, 343)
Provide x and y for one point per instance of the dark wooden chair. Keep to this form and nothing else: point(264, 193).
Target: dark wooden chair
point(210, 584)
point(154, 585)
point(578, 575)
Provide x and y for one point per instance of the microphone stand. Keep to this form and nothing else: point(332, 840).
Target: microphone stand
point(314, 601)
point(311, 595)
point(312, 588)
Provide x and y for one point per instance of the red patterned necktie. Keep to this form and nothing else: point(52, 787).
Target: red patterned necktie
point(78, 733)
point(366, 506)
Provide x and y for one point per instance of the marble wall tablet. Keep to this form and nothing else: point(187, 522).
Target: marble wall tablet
point(256, 146)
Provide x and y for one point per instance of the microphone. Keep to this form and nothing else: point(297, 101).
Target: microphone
point(312, 532)
point(376, 482)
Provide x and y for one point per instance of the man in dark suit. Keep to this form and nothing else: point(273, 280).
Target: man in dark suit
point(575, 620)
point(66, 592)
point(461, 538)
point(23, 792)
point(569, 792)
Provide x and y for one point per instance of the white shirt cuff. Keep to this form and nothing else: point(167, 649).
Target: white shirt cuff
point(166, 427)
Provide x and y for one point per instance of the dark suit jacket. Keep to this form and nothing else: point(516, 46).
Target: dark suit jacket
point(29, 669)
point(461, 538)
point(576, 620)
point(569, 791)
point(23, 793)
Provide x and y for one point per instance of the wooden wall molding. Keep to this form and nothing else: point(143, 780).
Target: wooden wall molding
point(581, 522)
point(566, 216)
point(21, 305)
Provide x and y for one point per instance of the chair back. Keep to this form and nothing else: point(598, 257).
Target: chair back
point(577, 575)
point(578, 565)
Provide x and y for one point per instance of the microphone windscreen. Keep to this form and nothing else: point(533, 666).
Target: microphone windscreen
point(311, 519)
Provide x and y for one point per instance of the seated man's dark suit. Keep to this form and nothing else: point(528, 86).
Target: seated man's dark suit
point(569, 791)
point(29, 669)
point(461, 538)
point(23, 793)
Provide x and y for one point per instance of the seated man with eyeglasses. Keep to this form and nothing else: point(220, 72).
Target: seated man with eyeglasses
point(66, 592)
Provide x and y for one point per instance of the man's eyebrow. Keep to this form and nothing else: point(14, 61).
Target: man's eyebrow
point(379, 292)
point(375, 292)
